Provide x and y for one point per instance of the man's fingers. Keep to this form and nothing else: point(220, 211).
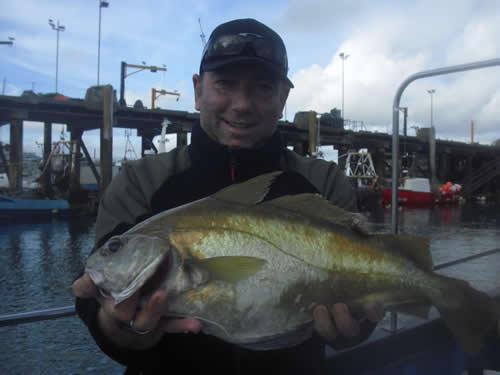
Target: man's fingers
point(84, 287)
point(344, 321)
point(125, 310)
point(181, 325)
point(149, 316)
point(374, 312)
point(323, 323)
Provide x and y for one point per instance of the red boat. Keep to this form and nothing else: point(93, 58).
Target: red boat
point(413, 192)
point(417, 192)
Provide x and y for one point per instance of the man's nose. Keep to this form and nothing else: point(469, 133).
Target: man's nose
point(242, 99)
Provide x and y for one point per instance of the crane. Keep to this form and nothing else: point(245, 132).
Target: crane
point(202, 35)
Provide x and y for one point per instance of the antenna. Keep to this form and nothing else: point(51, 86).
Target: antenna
point(129, 148)
point(202, 35)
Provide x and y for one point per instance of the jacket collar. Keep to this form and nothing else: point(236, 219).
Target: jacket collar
point(213, 156)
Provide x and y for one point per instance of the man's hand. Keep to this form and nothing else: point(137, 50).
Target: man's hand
point(148, 318)
point(343, 323)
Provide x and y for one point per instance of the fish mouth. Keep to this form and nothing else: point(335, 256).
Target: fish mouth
point(164, 272)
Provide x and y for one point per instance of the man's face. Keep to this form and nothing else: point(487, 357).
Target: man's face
point(240, 104)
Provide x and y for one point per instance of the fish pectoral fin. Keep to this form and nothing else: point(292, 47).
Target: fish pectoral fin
point(230, 268)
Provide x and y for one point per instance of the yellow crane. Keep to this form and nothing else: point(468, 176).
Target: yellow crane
point(155, 94)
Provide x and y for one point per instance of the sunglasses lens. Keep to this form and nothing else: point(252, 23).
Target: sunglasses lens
point(245, 45)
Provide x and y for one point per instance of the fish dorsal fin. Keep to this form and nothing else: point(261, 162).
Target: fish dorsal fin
point(314, 205)
point(252, 191)
point(415, 248)
point(229, 268)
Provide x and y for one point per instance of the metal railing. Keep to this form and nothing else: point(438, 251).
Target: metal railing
point(395, 121)
point(395, 133)
point(36, 316)
point(64, 311)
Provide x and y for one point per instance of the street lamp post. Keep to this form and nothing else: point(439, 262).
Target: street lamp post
point(343, 56)
point(139, 68)
point(102, 4)
point(431, 92)
point(405, 113)
point(57, 27)
point(9, 42)
point(432, 144)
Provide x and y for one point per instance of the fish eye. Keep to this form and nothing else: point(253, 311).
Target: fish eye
point(114, 245)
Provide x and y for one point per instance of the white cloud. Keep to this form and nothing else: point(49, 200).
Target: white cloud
point(387, 41)
point(387, 49)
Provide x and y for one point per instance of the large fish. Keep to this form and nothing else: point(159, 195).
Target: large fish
point(252, 271)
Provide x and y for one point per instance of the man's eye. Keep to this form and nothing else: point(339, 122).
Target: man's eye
point(264, 87)
point(224, 83)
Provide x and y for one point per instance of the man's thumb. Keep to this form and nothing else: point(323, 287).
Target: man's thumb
point(84, 287)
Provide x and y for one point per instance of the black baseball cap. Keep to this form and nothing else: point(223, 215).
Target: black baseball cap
point(245, 40)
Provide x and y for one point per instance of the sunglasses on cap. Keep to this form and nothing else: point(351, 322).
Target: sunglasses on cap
point(225, 49)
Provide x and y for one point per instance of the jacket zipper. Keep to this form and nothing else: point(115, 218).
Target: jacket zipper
point(232, 168)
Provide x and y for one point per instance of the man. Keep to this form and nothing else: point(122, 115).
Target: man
point(240, 92)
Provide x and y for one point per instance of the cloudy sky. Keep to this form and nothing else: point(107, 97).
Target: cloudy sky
point(386, 41)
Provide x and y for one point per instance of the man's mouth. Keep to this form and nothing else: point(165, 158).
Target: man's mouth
point(239, 125)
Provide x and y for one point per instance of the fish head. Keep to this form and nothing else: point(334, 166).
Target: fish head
point(124, 263)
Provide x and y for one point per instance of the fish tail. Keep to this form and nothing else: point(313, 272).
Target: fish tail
point(471, 315)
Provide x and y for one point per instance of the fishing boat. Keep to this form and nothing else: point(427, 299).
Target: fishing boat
point(417, 192)
point(12, 207)
point(413, 192)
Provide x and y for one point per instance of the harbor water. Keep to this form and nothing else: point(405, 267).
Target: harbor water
point(40, 259)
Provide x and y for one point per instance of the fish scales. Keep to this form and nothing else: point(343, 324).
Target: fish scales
point(296, 237)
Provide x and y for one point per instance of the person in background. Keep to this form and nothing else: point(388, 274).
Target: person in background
point(240, 92)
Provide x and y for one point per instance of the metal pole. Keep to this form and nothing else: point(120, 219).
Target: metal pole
point(107, 140)
point(342, 87)
point(58, 28)
point(471, 131)
point(99, 45)
point(405, 117)
point(123, 72)
point(432, 123)
point(395, 120)
point(102, 4)
point(57, 54)
point(431, 92)
point(465, 259)
point(36, 316)
point(343, 56)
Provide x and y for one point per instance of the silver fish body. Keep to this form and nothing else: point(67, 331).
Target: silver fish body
point(253, 272)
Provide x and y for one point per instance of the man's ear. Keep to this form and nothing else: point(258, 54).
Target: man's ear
point(197, 91)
